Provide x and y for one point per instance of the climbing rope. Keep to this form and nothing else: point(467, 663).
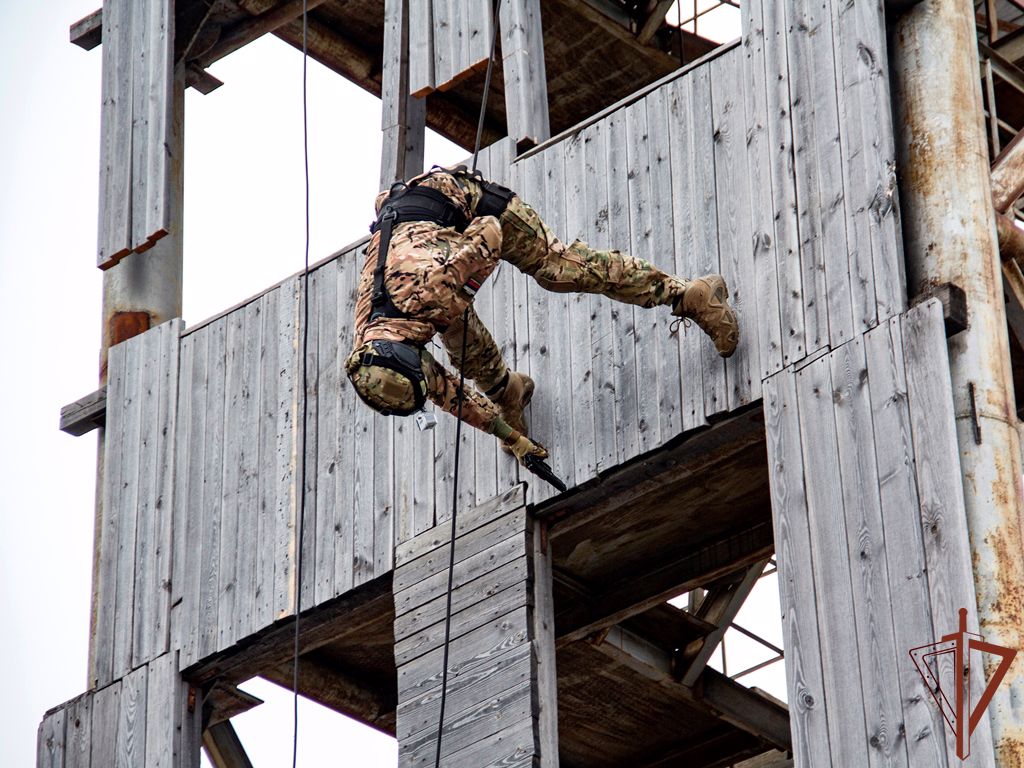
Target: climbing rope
point(305, 408)
point(458, 423)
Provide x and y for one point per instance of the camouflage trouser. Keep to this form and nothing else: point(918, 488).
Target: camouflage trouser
point(530, 246)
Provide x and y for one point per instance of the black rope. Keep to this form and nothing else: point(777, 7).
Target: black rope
point(460, 394)
point(305, 390)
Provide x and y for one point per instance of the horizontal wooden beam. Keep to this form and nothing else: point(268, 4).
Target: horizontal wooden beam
point(87, 33)
point(642, 591)
point(225, 701)
point(249, 30)
point(1013, 290)
point(86, 414)
point(954, 306)
point(372, 705)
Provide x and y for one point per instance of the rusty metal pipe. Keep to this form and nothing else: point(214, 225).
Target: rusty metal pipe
point(950, 236)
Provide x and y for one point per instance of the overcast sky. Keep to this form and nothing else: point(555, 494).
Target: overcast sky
point(243, 231)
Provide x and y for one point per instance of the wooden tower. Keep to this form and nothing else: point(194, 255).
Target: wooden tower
point(835, 164)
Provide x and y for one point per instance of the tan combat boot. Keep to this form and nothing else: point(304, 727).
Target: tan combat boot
point(706, 301)
point(513, 399)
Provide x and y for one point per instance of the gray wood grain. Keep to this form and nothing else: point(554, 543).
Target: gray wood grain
point(645, 325)
point(130, 749)
point(228, 557)
point(783, 183)
point(162, 687)
point(829, 562)
point(797, 588)
point(421, 46)
point(327, 462)
point(248, 472)
point(624, 380)
point(308, 447)
point(349, 406)
point(526, 93)
point(663, 254)
point(762, 195)
point(263, 609)
point(868, 556)
point(286, 449)
point(735, 235)
point(907, 572)
point(106, 709)
point(114, 226)
point(209, 537)
point(78, 732)
point(127, 501)
point(50, 740)
point(688, 225)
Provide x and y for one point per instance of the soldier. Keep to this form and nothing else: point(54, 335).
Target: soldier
point(436, 239)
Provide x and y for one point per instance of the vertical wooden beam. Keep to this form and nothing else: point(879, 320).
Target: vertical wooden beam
point(403, 116)
point(543, 629)
point(526, 86)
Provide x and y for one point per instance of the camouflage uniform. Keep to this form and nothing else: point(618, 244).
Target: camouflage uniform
point(427, 269)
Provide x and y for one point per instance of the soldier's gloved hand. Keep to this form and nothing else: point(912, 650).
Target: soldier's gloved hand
point(522, 446)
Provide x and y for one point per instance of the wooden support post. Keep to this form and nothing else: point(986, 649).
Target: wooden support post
point(1008, 175)
point(403, 116)
point(526, 87)
point(224, 748)
point(500, 696)
point(653, 20)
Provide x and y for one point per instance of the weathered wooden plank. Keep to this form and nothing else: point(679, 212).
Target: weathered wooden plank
point(940, 490)
point(866, 551)
point(115, 135)
point(78, 732)
point(708, 255)
point(308, 444)
point(462, 729)
point(421, 47)
point(263, 610)
point(231, 504)
point(829, 562)
point(162, 686)
point(797, 588)
point(735, 236)
point(468, 520)
point(599, 326)
point(144, 556)
point(475, 579)
point(472, 543)
point(510, 747)
point(506, 671)
point(442, 41)
point(383, 495)
point(348, 443)
point(50, 740)
point(160, 93)
point(526, 93)
point(783, 183)
point(762, 204)
point(209, 540)
point(820, 210)
point(485, 447)
point(286, 450)
point(907, 574)
point(624, 352)
point(130, 749)
point(663, 249)
point(128, 505)
point(138, 143)
point(106, 708)
point(164, 488)
point(184, 459)
point(85, 414)
point(866, 56)
point(542, 633)
point(419, 637)
point(328, 375)
point(102, 641)
point(645, 325)
point(243, 622)
point(687, 231)
point(472, 651)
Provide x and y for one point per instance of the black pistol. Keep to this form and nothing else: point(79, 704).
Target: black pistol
point(540, 468)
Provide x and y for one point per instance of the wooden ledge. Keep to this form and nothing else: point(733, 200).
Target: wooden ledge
point(85, 415)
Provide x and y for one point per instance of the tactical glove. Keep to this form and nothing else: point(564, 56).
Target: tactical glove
point(521, 446)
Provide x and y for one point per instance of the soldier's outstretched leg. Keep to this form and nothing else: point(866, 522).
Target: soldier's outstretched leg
point(509, 390)
point(532, 247)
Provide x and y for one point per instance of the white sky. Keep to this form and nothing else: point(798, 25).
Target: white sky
point(244, 231)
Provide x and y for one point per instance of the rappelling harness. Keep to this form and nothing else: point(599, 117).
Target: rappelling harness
point(408, 202)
